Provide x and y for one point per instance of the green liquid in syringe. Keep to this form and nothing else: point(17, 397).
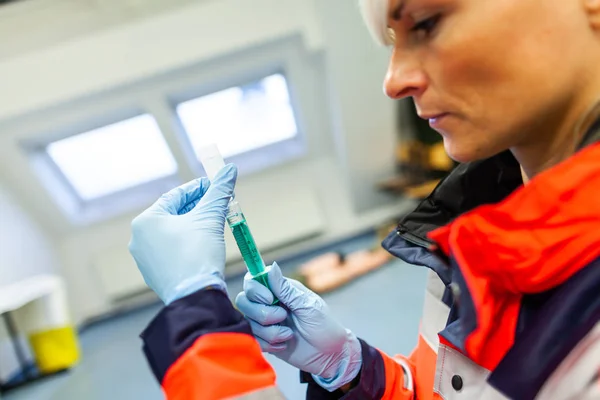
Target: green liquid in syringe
point(249, 251)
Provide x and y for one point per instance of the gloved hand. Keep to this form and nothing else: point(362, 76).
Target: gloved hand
point(307, 336)
point(178, 242)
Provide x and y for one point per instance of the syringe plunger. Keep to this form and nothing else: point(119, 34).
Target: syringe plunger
point(211, 160)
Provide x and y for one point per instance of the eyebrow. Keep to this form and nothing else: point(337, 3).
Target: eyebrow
point(396, 14)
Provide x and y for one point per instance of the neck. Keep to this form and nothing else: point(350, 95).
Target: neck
point(537, 158)
point(558, 144)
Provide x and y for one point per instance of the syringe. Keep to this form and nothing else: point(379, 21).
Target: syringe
point(213, 162)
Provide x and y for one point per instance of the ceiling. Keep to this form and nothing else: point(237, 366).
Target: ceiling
point(30, 25)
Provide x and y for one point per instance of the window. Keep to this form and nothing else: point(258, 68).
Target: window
point(113, 158)
point(113, 153)
point(241, 118)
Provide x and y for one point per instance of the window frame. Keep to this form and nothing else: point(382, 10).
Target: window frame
point(56, 183)
point(253, 160)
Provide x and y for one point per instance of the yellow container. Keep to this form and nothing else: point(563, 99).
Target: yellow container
point(55, 349)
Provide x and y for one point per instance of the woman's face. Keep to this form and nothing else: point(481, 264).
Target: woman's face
point(490, 74)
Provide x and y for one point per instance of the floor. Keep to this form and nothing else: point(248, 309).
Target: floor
point(382, 308)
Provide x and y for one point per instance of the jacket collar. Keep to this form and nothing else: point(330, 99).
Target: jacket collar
point(469, 185)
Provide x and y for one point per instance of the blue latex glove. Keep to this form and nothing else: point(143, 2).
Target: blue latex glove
point(305, 335)
point(178, 242)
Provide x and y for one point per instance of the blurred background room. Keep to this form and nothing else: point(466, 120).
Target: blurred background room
point(103, 106)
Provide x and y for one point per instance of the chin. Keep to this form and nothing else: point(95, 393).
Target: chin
point(459, 153)
point(463, 152)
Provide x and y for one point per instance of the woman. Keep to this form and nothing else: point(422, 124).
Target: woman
point(512, 308)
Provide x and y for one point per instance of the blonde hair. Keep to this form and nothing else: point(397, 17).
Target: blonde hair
point(374, 13)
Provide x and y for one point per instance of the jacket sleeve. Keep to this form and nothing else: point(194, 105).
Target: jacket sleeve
point(381, 377)
point(200, 347)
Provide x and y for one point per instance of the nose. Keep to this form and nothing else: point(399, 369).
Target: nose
point(404, 77)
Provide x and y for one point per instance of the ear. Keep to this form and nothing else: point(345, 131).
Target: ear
point(592, 8)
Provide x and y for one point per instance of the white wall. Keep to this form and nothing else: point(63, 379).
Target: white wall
point(25, 251)
point(35, 24)
point(367, 118)
point(355, 152)
point(91, 63)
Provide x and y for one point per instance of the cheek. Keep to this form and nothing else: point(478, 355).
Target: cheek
point(473, 82)
point(478, 74)
point(498, 74)
point(473, 73)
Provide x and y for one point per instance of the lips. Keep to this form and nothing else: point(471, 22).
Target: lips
point(435, 119)
point(431, 116)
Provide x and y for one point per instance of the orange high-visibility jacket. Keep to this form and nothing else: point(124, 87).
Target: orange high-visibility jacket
point(512, 308)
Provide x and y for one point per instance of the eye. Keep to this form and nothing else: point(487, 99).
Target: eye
point(427, 25)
